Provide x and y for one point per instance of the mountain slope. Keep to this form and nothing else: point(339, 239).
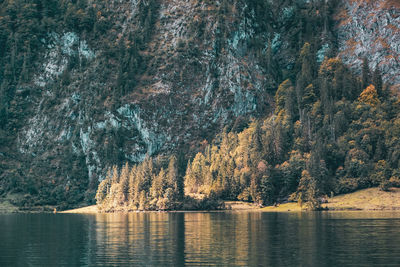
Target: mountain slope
point(136, 78)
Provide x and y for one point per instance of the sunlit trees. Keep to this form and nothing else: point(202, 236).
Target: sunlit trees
point(147, 186)
point(307, 192)
point(158, 185)
point(285, 99)
point(195, 176)
point(369, 96)
point(103, 190)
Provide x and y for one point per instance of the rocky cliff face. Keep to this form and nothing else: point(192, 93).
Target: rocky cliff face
point(196, 81)
point(204, 64)
point(371, 29)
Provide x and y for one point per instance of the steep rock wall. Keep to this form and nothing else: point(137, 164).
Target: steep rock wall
point(371, 29)
point(191, 89)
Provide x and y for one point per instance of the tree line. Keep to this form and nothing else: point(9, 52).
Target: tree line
point(150, 185)
point(331, 133)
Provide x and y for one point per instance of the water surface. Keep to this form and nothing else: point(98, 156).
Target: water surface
point(220, 239)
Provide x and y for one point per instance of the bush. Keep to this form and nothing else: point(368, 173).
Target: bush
point(207, 203)
point(347, 185)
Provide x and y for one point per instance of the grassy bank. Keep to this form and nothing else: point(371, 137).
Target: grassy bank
point(84, 210)
point(367, 199)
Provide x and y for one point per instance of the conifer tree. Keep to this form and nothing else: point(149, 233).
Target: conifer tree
point(267, 189)
point(146, 173)
point(172, 176)
point(307, 192)
point(369, 96)
point(196, 175)
point(138, 185)
point(124, 184)
point(188, 178)
point(304, 78)
point(365, 74)
point(115, 175)
point(158, 185)
point(309, 97)
point(377, 81)
point(143, 200)
point(132, 180)
point(103, 190)
point(255, 189)
point(285, 99)
point(256, 146)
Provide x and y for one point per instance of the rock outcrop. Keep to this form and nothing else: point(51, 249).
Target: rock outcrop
point(371, 29)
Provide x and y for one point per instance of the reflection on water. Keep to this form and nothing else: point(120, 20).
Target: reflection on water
point(221, 238)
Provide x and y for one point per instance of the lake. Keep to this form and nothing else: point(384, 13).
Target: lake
point(219, 239)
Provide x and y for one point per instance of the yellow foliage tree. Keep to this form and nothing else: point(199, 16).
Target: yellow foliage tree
point(369, 96)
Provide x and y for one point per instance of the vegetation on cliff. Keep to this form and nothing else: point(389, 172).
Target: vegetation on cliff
point(45, 47)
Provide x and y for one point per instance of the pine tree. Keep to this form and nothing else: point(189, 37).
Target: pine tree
point(138, 185)
point(147, 173)
point(267, 189)
point(369, 96)
point(256, 145)
point(365, 75)
point(285, 99)
point(309, 98)
point(377, 81)
point(305, 77)
point(172, 176)
point(188, 179)
point(307, 191)
point(103, 191)
point(115, 175)
point(132, 181)
point(158, 185)
point(124, 184)
point(255, 189)
point(195, 179)
point(143, 200)
point(180, 186)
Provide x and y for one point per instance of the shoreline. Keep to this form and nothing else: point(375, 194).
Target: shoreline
point(231, 206)
point(371, 199)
